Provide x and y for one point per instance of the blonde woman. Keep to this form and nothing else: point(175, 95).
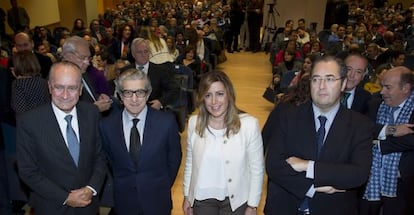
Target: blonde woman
point(224, 166)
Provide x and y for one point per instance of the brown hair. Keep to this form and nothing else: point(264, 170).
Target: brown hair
point(26, 64)
point(231, 119)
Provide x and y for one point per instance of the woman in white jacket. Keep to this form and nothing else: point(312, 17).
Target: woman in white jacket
point(224, 166)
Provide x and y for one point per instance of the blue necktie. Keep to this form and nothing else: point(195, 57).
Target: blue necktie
point(320, 135)
point(73, 144)
point(134, 143)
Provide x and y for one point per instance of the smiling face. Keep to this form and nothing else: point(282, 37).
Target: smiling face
point(134, 105)
point(356, 67)
point(326, 94)
point(65, 86)
point(216, 100)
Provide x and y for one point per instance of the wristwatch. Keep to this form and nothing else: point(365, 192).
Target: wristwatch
point(391, 130)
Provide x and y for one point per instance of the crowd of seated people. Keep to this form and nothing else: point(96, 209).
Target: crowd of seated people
point(385, 36)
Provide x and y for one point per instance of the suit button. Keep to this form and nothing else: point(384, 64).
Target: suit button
point(229, 180)
point(232, 196)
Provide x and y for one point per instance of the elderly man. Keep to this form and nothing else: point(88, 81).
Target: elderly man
point(62, 160)
point(164, 89)
point(319, 152)
point(76, 50)
point(391, 184)
point(143, 148)
point(354, 96)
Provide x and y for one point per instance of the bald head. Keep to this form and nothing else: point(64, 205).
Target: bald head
point(23, 42)
point(397, 85)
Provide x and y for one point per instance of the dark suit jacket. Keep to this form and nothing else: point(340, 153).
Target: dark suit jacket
point(147, 189)
point(344, 162)
point(46, 165)
point(402, 144)
point(164, 88)
point(361, 100)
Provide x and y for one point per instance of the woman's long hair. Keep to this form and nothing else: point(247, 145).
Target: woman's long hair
point(231, 118)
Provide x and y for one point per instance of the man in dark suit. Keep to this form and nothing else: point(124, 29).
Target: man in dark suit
point(61, 159)
point(165, 91)
point(393, 148)
point(318, 152)
point(354, 96)
point(144, 168)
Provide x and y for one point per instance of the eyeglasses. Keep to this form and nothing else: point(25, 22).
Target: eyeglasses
point(70, 89)
point(138, 93)
point(328, 79)
point(82, 57)
point(142, 52)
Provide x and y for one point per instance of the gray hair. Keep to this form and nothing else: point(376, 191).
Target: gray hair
point(72, 43)
point(132, 74)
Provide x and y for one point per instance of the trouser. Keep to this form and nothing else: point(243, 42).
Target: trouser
point(216, 207)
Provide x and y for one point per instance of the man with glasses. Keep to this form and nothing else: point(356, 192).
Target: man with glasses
point(318, 152)
point(59, 148)
point(143, 148)
point(165, 91)
point(76, 50)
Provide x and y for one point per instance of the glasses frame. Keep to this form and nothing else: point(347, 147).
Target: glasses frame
point(140, 93)
point(326, 79)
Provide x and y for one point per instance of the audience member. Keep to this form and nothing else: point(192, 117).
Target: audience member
point(254, 17)
point(23, 42)
point(209, 167)
point(29, 89)
point(164, 90)
point(76, 50)
point(17, 17)
point(354, 96)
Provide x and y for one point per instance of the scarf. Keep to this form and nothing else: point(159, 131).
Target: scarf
point(384, 169)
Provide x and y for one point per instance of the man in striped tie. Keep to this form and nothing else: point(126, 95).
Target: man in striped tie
point(59, 148)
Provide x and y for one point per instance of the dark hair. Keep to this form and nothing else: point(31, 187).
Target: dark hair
point(328, 58)
point(26, 64)
point(299, 94)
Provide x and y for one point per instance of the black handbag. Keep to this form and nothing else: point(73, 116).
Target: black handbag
point(269, 93)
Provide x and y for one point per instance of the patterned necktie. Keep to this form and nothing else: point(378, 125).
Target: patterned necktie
point(134, 143)
point(320, 135)
point(73, 144)
point(344, 100)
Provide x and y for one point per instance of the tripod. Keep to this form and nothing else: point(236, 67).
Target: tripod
point(269, 28)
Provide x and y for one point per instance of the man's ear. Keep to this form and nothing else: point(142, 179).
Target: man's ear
point(344, 84)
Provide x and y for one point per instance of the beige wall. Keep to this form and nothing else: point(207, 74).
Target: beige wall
point(311, 10)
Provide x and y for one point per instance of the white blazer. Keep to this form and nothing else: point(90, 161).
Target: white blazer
point(243, 156)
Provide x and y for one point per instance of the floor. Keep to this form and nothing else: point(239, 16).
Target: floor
point(250, 74)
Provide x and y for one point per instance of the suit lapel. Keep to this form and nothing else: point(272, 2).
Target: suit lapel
point(58, 139)
point(149, 131)
point(340, 123)
point(307, 130)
